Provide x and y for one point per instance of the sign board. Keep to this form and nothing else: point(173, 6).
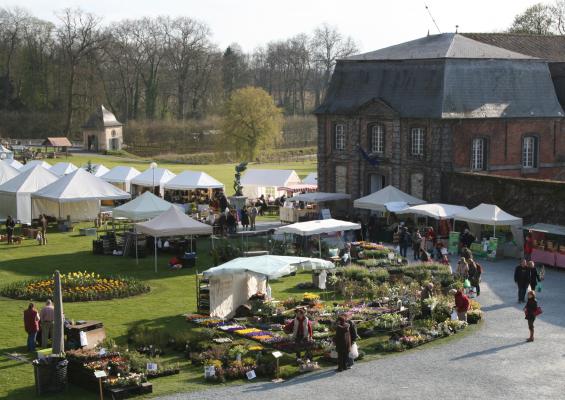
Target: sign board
point(100, 374)
point(453, 242)
point(83, 339)
point(277, 354)
point(209, 371)
point(250, 374)
point(151, 367)
point(326, 213)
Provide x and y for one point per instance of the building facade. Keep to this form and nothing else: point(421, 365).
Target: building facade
point(407, 114)
point(102, 131)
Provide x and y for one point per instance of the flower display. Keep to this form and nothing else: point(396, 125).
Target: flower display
point(77, 286)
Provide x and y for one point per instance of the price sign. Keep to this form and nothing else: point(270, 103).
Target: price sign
point(100, 374)
point(209, 371)
point(152, 367)
point(277, 354)
point(250, 374)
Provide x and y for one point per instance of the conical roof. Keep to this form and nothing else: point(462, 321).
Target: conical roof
point(188, 180)
point(12, 162)
point(81, 185)
point(173, 222)
point(157, 176)
point(33, 163)
point(120, 174)
point(142, 207)
point(7, 172)
point(63, 168)
point(97, 169)
point(29, 181)
point(101, 118)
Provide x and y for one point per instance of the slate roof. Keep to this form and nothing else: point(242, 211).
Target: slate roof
point(438, 78)
point(547, 47)
point(101, 118)
point(445, 45)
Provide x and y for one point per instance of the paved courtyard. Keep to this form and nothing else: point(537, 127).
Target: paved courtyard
point(493, 363)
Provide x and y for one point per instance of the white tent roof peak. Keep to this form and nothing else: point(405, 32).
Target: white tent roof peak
point(173, 222)
point(273, 267)
point(318, 227)
point(33, 163)
point(435, 210)
point(377, 201)
point(63, 168)
point(12, 162)
point(158, 176)
point(488, 214)
point(97, 169)
point(311, 178)
point(269, 177)
point(79, 186)
point(189, 180)
point(319, 197)
point(7, 172)
point(142, 207)
point(29, 181)
point(120, 174)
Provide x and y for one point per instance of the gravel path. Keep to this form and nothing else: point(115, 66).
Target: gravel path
point(493, 363)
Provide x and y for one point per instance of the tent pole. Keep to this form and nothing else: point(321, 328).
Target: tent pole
point(136, 256)
point(155, 242)
point(191, 243)
point(320, 245)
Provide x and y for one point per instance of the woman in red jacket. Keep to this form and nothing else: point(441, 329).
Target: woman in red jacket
point(301, 329)
point(31, 325)
point(461, 305)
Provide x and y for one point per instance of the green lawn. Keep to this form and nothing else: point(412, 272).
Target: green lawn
point(222, 172)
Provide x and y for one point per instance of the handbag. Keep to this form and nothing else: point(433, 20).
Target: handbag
point(354, 352)
point(538, 311)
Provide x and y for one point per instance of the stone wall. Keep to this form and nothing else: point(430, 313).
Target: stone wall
point(533, 200)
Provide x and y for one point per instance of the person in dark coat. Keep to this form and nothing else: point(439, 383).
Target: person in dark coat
point(530, 311)
point(416, 243)
point(372, 227)
point(467, 239)
point(31, 325)
point(405, 240)
point(354, 336)
point(522, 279)
point(245, 218)
point(342, 343)
point(10, 226)
point(534, 275)
point(475, 272)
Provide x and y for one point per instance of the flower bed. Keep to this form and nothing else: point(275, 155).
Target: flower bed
point(77, 286)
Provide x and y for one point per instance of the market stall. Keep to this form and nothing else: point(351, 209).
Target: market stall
point(7, 172)
point(492, 215)
point(63, 168)
point(195, 187)
point(385, 198)
point(121, 177)
point(76, 195)
point(257, 182)
point(142, 207)
point(153, 179)
point(15, 194)
point(172, 222)
point(305, 206)
point(233, 283)
point(549, 244)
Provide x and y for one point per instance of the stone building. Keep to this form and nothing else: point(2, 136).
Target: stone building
point(102, 131)
point(408, 114)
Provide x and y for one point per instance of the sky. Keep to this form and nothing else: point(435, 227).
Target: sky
point(373, 24)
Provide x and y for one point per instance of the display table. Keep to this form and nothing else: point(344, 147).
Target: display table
point(291, 214)
point(94, 331)
point(543, 256)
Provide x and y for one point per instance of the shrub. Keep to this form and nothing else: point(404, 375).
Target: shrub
point(375, 253)
point(474, 316)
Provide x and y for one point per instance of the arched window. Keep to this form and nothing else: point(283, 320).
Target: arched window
point(339, 137)
point(377, 139)
point(478, 151)
point(530, 147)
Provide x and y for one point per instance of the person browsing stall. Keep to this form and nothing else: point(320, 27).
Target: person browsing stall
point(301, 329)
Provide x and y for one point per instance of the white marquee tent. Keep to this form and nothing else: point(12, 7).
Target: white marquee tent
point(257, 182)
point(7, 172)
point(311, 178)
point(190, 180)
point(97, 169)
point(12, 162)
point(77, 195)
point(5, 153)
point(63, 168)
point(319, 197)
point(172, 222)
point(151, 178)
point(319, 227)
point(142, 207)
point(435, 210)
point(121, 176)
point(386, 197)
point(232, 283)
point(15, 195)
point(32, 163)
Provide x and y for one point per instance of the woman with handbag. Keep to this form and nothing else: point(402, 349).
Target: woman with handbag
point(342, 343)
point(532, 310)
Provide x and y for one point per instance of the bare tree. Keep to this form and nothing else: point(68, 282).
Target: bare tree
point(79, 37)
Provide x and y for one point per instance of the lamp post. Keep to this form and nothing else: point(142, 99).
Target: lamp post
point(153, 165)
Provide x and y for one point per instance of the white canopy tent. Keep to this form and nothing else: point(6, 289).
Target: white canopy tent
point(63, 168)
point(97, 169)
point(77, 195)
point(319, 197)
point(5, 153)
point(257, 182)
point(434, 210)
point(311, 179)
point(32, 163)
point(15, 195)
point(12, 162)
point(172, 222)
point(388, 196)
point(191, 180)
point(121, 176)
point(142, 207)
point(7, 172)
point(152, 178)
point(232, 283)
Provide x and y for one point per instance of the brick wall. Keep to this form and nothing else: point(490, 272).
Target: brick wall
point(533, 200)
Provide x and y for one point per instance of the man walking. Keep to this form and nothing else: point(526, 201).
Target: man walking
point(46, 317)
point(522, 279)
point(31, 325)
point(10, 225)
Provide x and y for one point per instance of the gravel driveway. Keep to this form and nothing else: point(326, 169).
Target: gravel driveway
point(493, 363)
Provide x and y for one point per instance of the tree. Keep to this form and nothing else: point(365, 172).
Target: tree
point(538, 19)
point(234, 69)
point(252, 122)
point(79, 37)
